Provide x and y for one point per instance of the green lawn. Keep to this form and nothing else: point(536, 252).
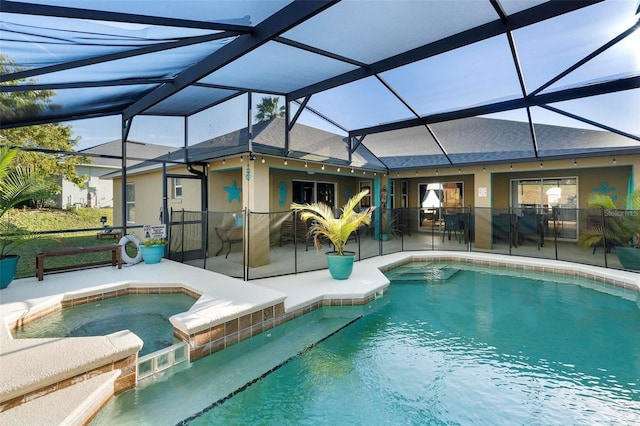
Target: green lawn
point(59, 220)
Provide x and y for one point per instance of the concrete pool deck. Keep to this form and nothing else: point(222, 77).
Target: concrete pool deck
point(25, 365)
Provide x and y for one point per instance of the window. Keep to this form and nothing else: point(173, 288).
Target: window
point(177, 188)
point(307, 192)
point(131, 203)
point(366, 200)
point(404, 193)
point(436, 199)
point(556, 199)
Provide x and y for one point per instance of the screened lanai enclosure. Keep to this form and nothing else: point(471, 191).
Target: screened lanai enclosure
point(375, 89)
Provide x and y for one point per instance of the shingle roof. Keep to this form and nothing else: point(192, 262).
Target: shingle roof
point(137, 152)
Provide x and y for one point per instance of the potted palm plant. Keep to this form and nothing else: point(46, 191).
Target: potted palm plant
point(621, 229)
point(335, 229)
point(16, 185)
point(152, 250)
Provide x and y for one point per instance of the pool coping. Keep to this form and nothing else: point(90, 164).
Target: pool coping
point(229, 309)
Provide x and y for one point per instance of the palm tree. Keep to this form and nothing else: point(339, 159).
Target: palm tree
point(268, 109)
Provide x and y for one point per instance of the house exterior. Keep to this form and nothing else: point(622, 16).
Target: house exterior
point(263, 181)
point(98, 192)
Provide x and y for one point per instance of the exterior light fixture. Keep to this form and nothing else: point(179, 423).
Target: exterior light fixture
point(614, 160)
point(437, 171)
point(322, 167)
point(241, 159)
point(305, 164)
point(338, 169)
point(575, 163)
point(484, 169)
point(285, 162)
point(252, 157)
point(224, 161)
point(511, 167)
point(459, 170)
point(262, 161)
point(541, 164)
point(351, 170)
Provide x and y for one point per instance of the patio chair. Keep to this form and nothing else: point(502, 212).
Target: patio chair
point(505, 228)
point(531, 224)
point(452, 223)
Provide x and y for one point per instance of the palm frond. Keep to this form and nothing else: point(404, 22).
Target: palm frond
point(325, 224)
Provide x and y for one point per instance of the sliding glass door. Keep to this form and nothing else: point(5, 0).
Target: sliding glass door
point(556, 199)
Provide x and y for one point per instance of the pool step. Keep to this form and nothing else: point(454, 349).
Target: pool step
point(425, 272)
point(74, 405)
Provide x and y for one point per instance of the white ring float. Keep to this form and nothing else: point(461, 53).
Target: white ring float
point(125, 257)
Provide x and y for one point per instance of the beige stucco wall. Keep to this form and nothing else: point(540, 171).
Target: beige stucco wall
point(148, 193)
point(219, 197)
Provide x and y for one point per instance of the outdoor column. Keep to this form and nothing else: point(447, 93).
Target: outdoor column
point(482, 212)
point(255, 196)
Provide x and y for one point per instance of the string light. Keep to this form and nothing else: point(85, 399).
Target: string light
point(338, 169)
point(511, 167)
point(224, 161)
point(285, 162)
point(614, 160)
point(241, 159)
point(263, 161)
point(541, 164)
point(575, 163)
point(484, 169)
point(322, 167)
point(351, 170)
point(305, 164)
point(459, 170)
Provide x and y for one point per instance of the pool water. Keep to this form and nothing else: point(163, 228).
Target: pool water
point(147, 315)
point(473, 348)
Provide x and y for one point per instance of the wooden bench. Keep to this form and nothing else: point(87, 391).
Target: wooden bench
point(116, 258)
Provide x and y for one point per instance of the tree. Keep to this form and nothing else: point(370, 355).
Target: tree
point(268, 109)
point(53, 136)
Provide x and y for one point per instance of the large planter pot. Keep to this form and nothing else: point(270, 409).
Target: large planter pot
point(629, 257)
point(340, 267)
point(152, 254)
point(8, 265)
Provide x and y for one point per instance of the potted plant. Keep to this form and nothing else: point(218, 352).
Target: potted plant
point(335, 229)
point(16, 185)
point(152, 250)
point(621, 229)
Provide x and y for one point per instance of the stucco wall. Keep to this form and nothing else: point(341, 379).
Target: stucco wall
point(148, 193)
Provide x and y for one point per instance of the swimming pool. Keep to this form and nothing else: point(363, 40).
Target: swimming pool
point(146, 315)
point(470, 346)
